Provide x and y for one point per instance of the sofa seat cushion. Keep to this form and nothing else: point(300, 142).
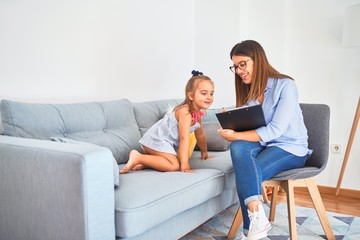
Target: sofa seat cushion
point(109, 124)
point(220, 161)
point(147, 198)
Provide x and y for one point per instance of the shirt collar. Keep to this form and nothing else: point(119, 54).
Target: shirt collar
point(270, 83)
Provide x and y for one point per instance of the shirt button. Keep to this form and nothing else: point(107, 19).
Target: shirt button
point(65, 134)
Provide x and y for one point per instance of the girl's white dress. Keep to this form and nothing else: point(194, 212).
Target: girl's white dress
point(163, 136)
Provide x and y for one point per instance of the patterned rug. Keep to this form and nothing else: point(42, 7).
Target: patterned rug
point(345, 227)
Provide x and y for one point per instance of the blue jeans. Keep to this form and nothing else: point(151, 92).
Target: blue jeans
point(254, 164)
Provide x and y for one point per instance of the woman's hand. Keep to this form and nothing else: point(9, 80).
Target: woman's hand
point(231, 135)
point(227, 134)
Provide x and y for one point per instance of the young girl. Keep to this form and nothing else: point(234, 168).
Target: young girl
point(171, 134)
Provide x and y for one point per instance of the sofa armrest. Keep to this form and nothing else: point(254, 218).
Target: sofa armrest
point(50, 190)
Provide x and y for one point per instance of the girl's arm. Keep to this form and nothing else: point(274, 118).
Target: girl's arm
point(184, 118)
point(201, 142)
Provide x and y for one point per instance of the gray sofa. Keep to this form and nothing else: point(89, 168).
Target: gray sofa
point(58, 179)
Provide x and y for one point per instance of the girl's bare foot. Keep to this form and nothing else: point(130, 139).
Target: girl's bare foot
point(138, 167)
point(132, 162)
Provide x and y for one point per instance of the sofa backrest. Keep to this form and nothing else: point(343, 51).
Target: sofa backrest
point(109, 124)
point(148, 113)
point(1, 126)
point(117, 125)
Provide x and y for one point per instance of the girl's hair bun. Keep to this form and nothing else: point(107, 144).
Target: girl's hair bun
point(196, 73)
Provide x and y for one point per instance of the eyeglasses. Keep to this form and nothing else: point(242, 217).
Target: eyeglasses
point(242, 65)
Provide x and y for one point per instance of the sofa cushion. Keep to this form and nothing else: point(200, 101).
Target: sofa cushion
point(218, 160)
point(211, 114)
point(140, 208)
point(109, 124)
point(1, 126)
point(214, 141)
point(148, 113)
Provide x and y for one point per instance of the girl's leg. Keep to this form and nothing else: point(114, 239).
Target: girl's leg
point(151, 159)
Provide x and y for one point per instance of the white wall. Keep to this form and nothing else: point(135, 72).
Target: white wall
point(75, 51)
point(64, 51)
point(217, 30)
point(95, 50)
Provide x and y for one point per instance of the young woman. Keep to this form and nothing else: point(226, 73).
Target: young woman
point(260, 154)
point(168, 143)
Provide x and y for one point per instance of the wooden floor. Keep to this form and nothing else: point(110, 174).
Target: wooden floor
point(347, 202)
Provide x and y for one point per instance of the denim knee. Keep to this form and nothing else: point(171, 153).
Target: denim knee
point(240, 148)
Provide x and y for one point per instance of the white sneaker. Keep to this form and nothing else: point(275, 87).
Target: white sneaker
point(259, 224)
point(241, 237)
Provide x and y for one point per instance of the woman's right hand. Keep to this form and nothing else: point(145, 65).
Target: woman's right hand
point(231, 135)
point(227, 134)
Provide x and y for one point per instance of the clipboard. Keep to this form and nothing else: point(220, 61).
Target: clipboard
point(242, 119)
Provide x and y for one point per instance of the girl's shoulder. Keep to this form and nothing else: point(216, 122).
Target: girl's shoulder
point(183, 110)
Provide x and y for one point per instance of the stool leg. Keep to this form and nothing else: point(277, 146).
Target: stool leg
point(264, 194)
point(273, 203)
point(288, 186)
point(319, 207)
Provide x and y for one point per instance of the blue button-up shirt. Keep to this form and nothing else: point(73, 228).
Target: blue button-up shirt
point(285, 126)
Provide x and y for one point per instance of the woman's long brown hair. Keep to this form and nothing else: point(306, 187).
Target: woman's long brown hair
point(262, 70)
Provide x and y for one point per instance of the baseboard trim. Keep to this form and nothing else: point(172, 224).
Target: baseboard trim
point(344, 192)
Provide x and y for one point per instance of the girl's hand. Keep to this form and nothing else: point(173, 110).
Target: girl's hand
point(204, 155)
point(185, 167)
point(227, 134)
